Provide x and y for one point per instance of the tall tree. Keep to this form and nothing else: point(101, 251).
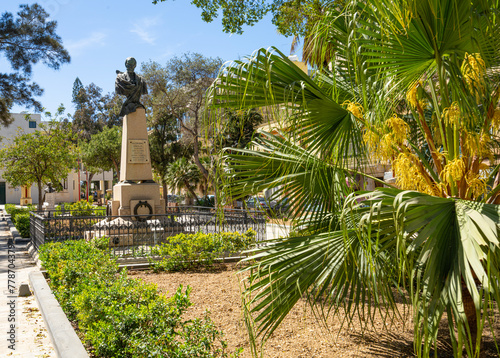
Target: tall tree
point(77, 87)
point(26, 40)
point(103, 151)
point(46, 155)
point(414, 84)
point(94, 111)
point(180, 86)
point(165, 145)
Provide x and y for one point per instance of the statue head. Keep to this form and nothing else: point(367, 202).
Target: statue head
point(130, 64)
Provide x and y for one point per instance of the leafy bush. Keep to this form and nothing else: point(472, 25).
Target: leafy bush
point(121, 317)
point(23, 224)
point(188, 251)
point(9, 207)
point(20, 218)
point(73, 266)
point(80, 208)
point(15, 211)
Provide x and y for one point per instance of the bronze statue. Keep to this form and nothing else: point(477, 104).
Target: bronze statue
point(131, 85)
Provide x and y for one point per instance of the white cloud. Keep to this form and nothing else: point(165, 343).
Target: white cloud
point(142, 28)
point(77, 47)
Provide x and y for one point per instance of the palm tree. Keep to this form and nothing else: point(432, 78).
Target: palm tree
point(183, 174)
point(413, 84)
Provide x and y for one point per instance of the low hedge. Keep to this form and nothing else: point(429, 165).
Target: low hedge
point(15, 211)
point(9, 207)
point(23, 224)
point(20, 218)
point(121, 317)
point(80, 208)
point(188, 251)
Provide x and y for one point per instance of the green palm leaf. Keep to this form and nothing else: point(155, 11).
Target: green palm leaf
point(443, 243)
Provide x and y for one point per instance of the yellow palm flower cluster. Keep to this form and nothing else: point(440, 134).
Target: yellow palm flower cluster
point(355, 108)
point(380, 148)
point(451, 115)
point(473, 70)
point(412, 96)
point(495, 121)
point(408, 175)
point(398, 127)
point(476, 184)
point(386, 147)
point(372, 140)
point(453, 171)
point(479, 144)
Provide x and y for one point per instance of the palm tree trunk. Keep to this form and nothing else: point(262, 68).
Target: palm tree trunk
point(190, 189)
point(165, 193)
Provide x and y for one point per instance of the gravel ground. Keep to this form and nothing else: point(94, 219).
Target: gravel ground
point(300, 335)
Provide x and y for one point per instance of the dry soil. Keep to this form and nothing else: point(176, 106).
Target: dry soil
point(300, 334)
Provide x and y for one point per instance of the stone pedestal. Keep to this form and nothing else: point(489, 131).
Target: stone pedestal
point(50, 199)
point(131, 199)
point(135, 162)
point(137, 193)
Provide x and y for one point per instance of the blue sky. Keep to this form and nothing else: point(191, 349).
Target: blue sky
point(100, 35)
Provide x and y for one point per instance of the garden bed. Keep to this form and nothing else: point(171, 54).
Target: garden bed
point(299, 335)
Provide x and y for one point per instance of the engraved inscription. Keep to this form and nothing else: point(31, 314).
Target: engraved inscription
point(138, 151)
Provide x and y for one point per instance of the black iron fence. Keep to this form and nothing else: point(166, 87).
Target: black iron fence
point(135, 235)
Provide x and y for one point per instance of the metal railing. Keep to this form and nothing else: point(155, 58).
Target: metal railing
point(135, 235)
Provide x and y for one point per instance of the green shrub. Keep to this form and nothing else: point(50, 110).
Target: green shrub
point(23, 224)
point(73, 266)
point(15, 211)
point(121, 317)
point(9, 207)
point(80, 208)
point(188, 251)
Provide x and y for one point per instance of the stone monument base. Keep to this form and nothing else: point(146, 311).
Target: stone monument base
point(137, 199)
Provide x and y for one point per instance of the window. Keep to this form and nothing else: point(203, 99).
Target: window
point(32, 124)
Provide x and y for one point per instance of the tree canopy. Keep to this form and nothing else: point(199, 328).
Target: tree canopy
point(183, 174)
point(178, 88)
point(103, 151)
point(165, 145)
point(93, 110)
point(290, 17)
point(26, 40)
point(46, 155)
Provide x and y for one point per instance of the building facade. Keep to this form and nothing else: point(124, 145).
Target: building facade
point(28, 123)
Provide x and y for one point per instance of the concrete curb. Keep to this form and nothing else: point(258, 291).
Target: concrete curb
point(12, 228)
point(33, 254)
point(63, 337)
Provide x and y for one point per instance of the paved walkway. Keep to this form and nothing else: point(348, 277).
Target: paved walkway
point(22, 330)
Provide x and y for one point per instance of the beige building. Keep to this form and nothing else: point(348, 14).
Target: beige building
point(28, 123)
